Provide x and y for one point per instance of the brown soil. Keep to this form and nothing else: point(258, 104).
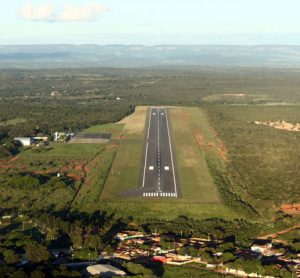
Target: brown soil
point(280, 232)
point(74, 177)
point(6, 167)
point(290, 208)
point(79, 167)
point(44, 172)
point(281, 125)
point(13, 159)
point(211, 144)
point(199, 138)
point(222, 150)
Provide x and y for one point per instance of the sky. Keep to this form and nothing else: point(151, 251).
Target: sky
point(150, 22)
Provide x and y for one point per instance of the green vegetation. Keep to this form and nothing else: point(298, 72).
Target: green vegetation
point(191, 134)
point(114, 129)
point(200, 195)
point(97, 170)
point(234, 174)
point(14, 121)
point(35, 170)
point(262, 167)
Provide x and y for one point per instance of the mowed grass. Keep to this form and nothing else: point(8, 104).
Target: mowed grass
point(200, 195)
point(114, 128)
point(188, 126)
point(124, 174)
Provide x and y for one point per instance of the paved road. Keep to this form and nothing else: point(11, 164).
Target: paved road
point(159, 175)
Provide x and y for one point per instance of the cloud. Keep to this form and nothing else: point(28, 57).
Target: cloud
point(47, 12)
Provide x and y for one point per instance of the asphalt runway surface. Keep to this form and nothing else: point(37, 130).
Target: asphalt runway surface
point(158, 177)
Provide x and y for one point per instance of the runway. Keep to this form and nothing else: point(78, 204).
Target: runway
point(159, 172)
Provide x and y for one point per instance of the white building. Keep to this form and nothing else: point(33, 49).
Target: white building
point(59, 136)
point(25, 141)
point(105, 270)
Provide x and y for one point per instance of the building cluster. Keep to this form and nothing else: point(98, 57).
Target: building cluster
point(41, 139)
point(133, 245)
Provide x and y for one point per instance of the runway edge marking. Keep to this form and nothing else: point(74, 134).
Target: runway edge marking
point(175, 185)
point(145, 164)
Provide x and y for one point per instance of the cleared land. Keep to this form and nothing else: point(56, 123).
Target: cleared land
point(192, 136)
point(200, 196)
point(124, 174)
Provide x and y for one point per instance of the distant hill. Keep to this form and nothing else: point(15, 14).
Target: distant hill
point(53, 56)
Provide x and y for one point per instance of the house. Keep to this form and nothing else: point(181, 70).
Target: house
point(129, 235)
point(59, 136)
point(104, 270)
point(25, 141)
point(161, 259)
point(261, 249)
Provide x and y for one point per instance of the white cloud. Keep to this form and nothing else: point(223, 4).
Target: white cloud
point(47, 12)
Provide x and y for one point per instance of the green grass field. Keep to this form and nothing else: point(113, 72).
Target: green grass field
point(114, 129)
point(197, 184)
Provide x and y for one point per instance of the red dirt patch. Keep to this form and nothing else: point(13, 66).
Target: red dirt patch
point(13, 159)
point(87, 169)
point(211, 144)
point(6, 167)
point(43, 172)
point(79, 167)
point(290, 208)
point(185, 115)
point(199, 138)
point(222, 150)
point(74, 177)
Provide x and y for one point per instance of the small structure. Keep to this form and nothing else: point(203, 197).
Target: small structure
point(129, 235)
point(25, 141)
point(40, 138)
point(105, 270)
point(54, 93)
point(261, 249)
point(59, 136)
point(161, 259)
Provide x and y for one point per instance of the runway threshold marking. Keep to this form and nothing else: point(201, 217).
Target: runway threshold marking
point(146, 155)
point(160, 194)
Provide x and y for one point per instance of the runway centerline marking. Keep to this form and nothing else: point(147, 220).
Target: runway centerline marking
point(158, 152)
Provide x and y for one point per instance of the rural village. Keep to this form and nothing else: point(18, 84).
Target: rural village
point(171, 249)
